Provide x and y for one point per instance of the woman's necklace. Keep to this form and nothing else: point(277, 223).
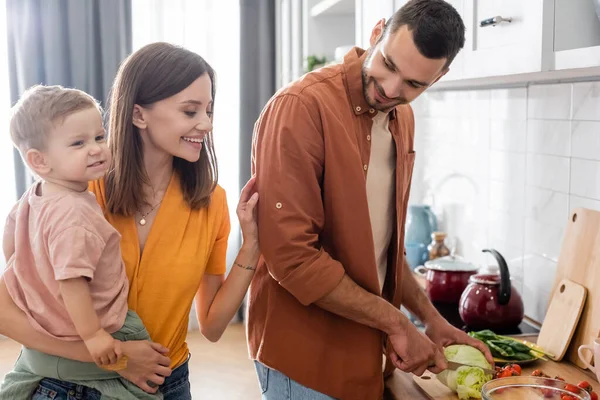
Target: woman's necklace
point(142, 220)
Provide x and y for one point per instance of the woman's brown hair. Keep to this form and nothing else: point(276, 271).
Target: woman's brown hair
point(153, 73)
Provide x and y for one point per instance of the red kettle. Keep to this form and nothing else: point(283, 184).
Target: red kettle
point(490, 301)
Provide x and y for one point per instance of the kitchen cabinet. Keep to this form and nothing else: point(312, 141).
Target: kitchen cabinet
point(368, 12)
point(576, 34)
point(319, 28)
point(506, 37)
point(522, 42)
point(328, 28)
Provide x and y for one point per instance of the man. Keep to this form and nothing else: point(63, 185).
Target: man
point(333, 155)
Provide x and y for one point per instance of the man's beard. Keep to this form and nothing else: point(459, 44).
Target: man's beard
point(367, 80)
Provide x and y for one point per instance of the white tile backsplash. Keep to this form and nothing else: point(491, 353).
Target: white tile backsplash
point(581, 202)
point(473, 133)
point(507, 197)
point(547, 206)
point(506, 167)
point(506, 228)
point(548, 172)
point(543, 239)
point(536, 302)
point(585, 178)
point(421, 106)
point(478, 104)
point(549, 137)
point(538, 271)
point(585, 140)
point(508, 135)
point(508, 104)
point(538, 280)
point(586, 101)
point(549, 101)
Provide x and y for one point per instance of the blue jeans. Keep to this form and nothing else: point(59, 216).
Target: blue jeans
point(276, 386)
point(176, 387)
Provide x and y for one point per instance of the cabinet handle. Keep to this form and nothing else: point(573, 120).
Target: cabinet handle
point(494, 21)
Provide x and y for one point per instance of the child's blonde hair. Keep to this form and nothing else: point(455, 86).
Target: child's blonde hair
point(40, 109)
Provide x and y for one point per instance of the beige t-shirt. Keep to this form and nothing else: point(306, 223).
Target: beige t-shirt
point(57, 237)
point(380, 190)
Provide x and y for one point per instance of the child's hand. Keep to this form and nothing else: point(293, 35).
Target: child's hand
point(105, 349)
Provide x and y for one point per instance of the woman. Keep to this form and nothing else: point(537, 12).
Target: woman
point(161, 194)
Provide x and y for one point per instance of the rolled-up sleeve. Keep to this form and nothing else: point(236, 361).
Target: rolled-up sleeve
point(288, 160)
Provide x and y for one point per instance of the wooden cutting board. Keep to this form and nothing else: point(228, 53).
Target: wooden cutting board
point(435, 389)
point(579, 261)
point(562, 317)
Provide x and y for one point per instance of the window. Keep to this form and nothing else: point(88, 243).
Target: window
point(210, 28)
point(8, 194)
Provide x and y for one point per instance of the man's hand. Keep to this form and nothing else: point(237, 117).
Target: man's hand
point(412, 351)
point(443, 334)
point(103, 348)
point(147, 365)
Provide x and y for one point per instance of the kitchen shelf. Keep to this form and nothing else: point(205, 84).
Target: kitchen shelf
point(333, 7)
point(521, 80)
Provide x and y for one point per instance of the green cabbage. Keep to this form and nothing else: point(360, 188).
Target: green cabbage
point(465, 381)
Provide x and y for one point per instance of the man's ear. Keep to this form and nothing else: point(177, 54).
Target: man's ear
point(377, 32)
point(38, 162)
point(139, 117)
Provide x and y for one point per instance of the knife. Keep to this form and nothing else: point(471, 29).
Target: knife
point(454, 366)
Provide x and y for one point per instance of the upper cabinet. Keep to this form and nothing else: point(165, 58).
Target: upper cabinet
point(507, 41)
point(311, 33)
point(576, 33)
point(328, 29)
point(506, 37)
point(368, 12)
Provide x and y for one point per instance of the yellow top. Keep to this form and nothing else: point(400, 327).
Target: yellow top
point(183, 245)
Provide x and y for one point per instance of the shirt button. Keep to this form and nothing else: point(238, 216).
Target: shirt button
point(358, 109)
point(371, 111)
point(365, 167)
point(278, 205)
point(368, 137)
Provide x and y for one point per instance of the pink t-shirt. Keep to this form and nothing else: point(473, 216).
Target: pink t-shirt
point(63, 236)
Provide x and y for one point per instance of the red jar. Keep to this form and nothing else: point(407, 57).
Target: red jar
point(447, 277)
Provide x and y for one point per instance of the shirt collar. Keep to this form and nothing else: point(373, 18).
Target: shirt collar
point(353, 62)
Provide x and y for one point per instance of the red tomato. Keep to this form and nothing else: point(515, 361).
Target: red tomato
point(505, 373)
point(516, 368)
point(567, 397)
point(571, 388)
point(585, 385)
point(594, 396)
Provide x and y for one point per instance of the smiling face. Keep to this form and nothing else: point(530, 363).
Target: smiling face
point(76, 151)
point(394, 71)
point(178, 124)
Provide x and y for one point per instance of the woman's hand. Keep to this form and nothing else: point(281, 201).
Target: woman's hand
point(147, 364)
point(246, 212)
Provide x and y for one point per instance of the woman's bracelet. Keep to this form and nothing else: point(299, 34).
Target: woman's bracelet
point(247, 267)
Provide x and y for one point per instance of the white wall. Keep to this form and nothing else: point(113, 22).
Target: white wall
point(505, 167)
